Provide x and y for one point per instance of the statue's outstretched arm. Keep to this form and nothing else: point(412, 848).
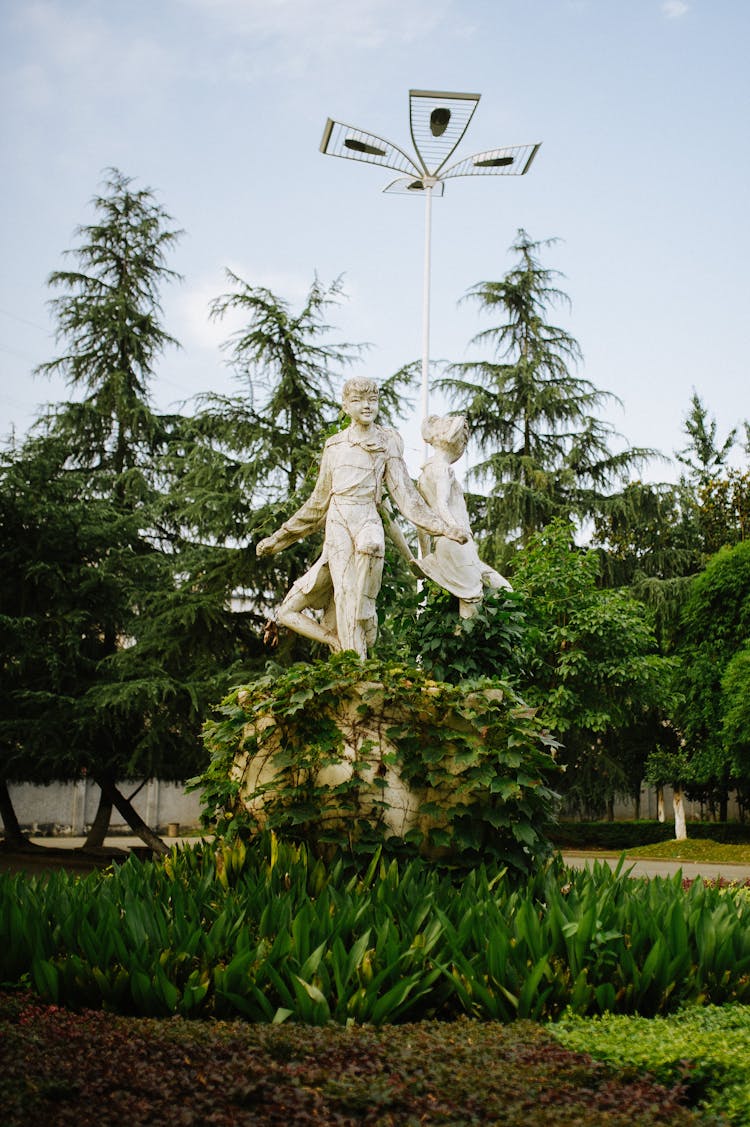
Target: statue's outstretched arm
point(411, 504)
point(392, 529)
point(309, 517)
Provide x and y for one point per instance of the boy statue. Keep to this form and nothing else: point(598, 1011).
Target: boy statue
point(344, 581)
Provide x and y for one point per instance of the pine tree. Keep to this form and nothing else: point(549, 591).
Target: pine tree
point(704, 456)
point(108, 320)
point(544, 452)
point(147, 638)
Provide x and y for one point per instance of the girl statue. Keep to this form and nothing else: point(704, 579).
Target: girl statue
point(455, 567)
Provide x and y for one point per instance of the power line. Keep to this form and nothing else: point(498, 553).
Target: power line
point(24, 321)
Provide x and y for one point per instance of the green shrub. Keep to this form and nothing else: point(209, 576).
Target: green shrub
point(619, 836)
point(614, 836)
point(707, 1049)
point(490, 643)
point(271, 933)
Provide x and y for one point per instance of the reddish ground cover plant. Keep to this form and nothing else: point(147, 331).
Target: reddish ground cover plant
point(716, 882)
point(58, 1068)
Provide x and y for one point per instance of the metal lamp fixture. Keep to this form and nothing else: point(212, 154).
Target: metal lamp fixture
point(438, 121)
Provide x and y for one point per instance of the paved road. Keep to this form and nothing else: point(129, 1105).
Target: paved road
point(578, 860)
point(709, 870)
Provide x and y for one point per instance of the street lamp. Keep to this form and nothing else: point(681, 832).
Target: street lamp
point(438, 121)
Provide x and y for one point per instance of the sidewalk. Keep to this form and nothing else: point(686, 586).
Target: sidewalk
point(115, 841)
point(576, 860)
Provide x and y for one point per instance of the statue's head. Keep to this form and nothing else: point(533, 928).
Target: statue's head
point(358, 391)
point(446, 432)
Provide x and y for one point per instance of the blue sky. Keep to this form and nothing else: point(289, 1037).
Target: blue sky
point(642, 108)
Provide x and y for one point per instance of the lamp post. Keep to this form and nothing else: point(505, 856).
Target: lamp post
point(438, 121)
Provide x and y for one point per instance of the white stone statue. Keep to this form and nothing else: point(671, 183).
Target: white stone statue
point(348, 501)
point(456, 567)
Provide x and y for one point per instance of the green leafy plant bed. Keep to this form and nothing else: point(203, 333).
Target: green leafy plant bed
point(272, 934)
point(705, 1048)
point(88, 1068)
point(359, 754)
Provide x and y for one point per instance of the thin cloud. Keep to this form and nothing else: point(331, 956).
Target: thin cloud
point(190, 305)
point(307, 33)
point(84, 46)
point(81, 50)
point(368, 23)
point(675, 9)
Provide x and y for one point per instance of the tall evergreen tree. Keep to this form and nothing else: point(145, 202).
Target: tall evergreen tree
point(704, 455)
point(108, 321)
point(287, 372)
point(544, 451)
point(719, 493)
point(146, 636)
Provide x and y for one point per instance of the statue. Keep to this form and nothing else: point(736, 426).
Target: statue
point(348, 501)
point(454, 566)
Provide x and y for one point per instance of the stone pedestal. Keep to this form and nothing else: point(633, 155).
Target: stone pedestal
point(344, 752)
point(366, 775)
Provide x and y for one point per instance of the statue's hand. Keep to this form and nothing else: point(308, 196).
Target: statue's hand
point(455, 532)
point(266, 547)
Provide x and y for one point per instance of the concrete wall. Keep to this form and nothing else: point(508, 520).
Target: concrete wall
point(69, 808)
point(625, 811)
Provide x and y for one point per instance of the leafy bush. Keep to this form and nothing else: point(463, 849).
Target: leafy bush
point(703, 1047)
point(86, 1069)
point(274, 934)
point(473, 756)
point(450, 648)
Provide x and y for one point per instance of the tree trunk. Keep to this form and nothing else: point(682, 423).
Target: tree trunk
point(610, 809)
point(660, 804)
point(100, 825)
point(14, 835)
point(131, 816)
point(680, 828)
point(637, 805)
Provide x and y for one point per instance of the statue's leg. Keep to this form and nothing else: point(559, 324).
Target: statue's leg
point(467, 608)
point(355, 548)
point(308, 627)
point(369, 554)
point(341, 554)
point(493, 579)
point(292, 614)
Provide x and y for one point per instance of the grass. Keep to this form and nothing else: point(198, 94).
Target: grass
point(693, 849)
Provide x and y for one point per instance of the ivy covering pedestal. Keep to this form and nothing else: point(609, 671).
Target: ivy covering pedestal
point(359, 754)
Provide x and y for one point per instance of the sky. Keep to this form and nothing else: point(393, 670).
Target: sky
point(641, 106)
